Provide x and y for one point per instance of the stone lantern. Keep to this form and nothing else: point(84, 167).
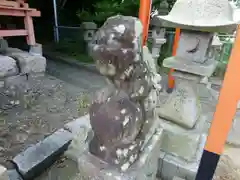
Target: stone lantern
point(89, 30)
point(182, 113)
point(158, 32)
point(158, 39)
point(163, 8)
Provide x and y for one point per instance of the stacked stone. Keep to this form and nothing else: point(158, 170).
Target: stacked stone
point(184, 125)
point(15, 62)
point(18, 67)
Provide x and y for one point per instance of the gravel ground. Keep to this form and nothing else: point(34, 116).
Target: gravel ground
point(227, 170)
point(31, 110)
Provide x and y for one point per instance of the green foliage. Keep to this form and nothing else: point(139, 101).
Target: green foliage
point(102, 9)
point(106, 8)
point(236, 2)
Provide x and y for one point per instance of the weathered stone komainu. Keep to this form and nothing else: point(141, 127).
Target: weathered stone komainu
point(118, 112)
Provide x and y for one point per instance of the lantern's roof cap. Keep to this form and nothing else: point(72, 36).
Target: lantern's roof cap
point(200, 15)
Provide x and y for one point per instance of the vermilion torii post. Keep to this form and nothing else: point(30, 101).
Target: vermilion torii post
point(144, 16)
point(171, 81)
point(224, 114)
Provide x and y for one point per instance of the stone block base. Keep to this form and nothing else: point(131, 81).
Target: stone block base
point(170, 166)
point(29, 63)
point(181, 142)
point(145, 168)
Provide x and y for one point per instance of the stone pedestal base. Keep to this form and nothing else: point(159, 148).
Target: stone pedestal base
point(29, 62)
point(145, 168)
point(181, 142)
point(171, 166)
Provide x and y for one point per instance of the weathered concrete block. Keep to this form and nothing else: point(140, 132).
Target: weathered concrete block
point(204, 69)
point(144, 168)
point(36, 49)
point(3, 173)
point(36, 159)
point(8, 66)
point(29, 63)
point(175, 166)
point(14, 175)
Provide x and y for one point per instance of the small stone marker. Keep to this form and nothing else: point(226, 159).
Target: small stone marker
point(38, 158)
point(3, 173)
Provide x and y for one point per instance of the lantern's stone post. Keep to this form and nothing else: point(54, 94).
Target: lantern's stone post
point(158, 39)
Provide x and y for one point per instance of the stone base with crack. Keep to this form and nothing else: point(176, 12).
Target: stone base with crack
point(145, 168)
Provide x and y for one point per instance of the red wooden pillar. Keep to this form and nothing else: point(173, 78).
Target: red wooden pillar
point(171, 81)
point(28, 22)
point(144, 16)
point(224, 114)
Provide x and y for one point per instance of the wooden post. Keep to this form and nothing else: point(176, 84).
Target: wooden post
point(224, 114)
point(28, 22)
point(171, 80)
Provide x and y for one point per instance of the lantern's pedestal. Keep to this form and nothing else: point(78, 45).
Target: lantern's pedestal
point(145, 168)
point(184, 129)
point(205, 69)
